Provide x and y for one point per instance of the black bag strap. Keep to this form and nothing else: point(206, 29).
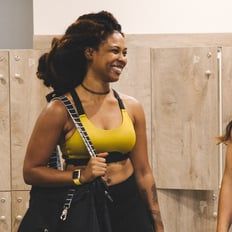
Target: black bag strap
point(79, 126)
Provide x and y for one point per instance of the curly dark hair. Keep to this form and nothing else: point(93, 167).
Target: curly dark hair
point(65, 65)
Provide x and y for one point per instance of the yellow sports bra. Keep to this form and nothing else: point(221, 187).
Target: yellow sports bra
point(121, 139)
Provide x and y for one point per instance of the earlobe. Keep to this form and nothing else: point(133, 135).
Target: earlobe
point(89, 53)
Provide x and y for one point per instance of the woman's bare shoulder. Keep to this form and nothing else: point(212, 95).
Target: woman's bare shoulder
point(129, 100)
point(133, 106)
point(54, 111)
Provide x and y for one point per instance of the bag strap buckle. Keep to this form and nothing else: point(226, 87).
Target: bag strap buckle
point(64, 214)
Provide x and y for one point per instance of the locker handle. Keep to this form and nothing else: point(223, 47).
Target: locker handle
point(203, 205)
point(2, 79)
point(17, 76)
point(2, 218)
point(208, 73)
point(19, 217)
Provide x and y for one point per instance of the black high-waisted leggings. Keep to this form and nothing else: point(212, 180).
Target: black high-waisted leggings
point(128, 211)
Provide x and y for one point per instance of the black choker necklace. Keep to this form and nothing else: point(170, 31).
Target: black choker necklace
point(93, 92)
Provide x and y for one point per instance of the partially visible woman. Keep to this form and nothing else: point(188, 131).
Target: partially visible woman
point(224, 219)
point(84, 62)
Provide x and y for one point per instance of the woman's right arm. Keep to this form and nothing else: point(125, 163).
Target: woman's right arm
point(225, 197)
point(51, 126)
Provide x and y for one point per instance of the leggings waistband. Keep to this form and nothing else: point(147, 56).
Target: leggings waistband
point(125, 190)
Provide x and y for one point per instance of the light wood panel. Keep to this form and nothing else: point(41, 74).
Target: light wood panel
point(157, 40)
point(184, 210)
point(5, 211)
point(4, 122)
point(20, 203)
point(135, 81)
point(180, 40)
point(27, 100)
point(185, 117)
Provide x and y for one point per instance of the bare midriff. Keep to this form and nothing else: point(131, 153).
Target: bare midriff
point(116, 172)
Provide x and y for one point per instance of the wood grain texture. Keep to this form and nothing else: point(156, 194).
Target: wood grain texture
point(27, 100)
point(157, 40)
point(180, 40)
point(190, 211)
point(185, 117)
point(4, 122)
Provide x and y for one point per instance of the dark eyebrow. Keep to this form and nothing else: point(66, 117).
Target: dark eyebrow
point(115, 46)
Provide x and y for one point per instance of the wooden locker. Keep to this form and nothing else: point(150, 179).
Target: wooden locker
point(20, 203)
point(27, 99)
point(184, 210)
point(135, 81)
point(5, 211)
point(4, 122)
point(185, 117)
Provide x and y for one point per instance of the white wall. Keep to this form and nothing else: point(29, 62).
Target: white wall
point(138, 16)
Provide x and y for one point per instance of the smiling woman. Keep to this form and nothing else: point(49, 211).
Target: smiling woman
point(109, 60)
point(80, 68)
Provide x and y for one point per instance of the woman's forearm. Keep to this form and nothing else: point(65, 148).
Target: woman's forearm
point(147, 188)
point(47, 177)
